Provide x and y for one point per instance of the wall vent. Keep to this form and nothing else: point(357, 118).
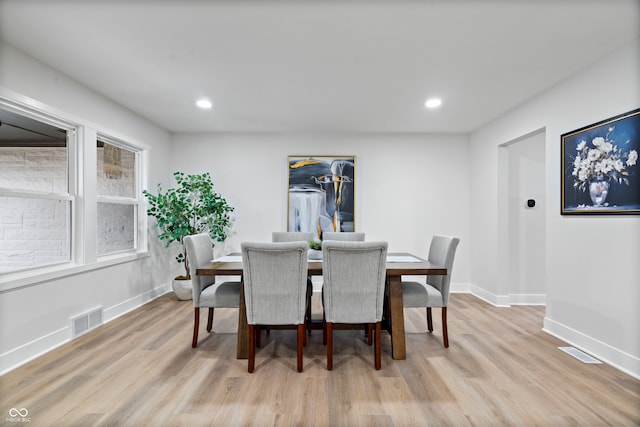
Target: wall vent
point(85, 322)
point(583, 357)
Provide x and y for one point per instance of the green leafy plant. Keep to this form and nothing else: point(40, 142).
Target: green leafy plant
point(316, 245)
point(192, 207)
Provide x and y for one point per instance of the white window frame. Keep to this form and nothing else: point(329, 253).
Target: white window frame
point(82, 160)
point(136, 201)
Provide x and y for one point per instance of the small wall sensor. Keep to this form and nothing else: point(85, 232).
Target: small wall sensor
point(531, 203)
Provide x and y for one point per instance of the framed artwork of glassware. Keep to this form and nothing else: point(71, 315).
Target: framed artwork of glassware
point(321, 194)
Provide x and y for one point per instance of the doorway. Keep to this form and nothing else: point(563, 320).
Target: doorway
point(523, 202)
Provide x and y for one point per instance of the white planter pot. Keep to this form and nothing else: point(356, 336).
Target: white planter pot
point(182, 288)
point(314, 254)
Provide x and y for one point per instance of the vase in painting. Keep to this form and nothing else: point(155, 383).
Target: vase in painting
point(598, 190)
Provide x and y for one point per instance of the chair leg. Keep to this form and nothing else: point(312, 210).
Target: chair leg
point(305, 327)
point(329, 333)
point(210, 320)
point(196, 325)
point(429, 320)
point(377, 357)
point(308, 314)
point(251, 358)
point(445, 334)
point(302, 336)
point(324, 330)
point(258, 336)
point(369, 328)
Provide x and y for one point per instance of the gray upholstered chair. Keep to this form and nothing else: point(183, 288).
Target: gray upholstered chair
point(346, 236)
point(207, 293)
point(435, 292)
point(275, 289)
point(297, 236)
point(292, 236)
point(353, 293)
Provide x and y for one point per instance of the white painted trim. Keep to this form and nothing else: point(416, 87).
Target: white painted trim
point(132, 303)
point(493, 299)
point(498, 300)
point(40, 346)
point(32, 350)
point(528, 299)
point(51, 115)
point(619, 359)
point(29, 277)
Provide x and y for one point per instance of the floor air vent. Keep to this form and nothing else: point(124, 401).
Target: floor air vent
point(85, 322)
point(583, 357)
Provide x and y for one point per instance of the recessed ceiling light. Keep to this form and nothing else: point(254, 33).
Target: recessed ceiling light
point(204, 103)
point(433, 103)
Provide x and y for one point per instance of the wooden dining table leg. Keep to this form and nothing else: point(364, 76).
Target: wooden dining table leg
point(396, 307)
point(243, 329)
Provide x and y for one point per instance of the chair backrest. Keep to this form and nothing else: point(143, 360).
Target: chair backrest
point(345, 236)
point(354, 276)
point(292, 236)
point(442, 252)
point(275, 282)
point(199, 252)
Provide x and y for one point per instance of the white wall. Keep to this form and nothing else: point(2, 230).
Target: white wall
point(35, 318)
point(408, 187)
point(592, 261)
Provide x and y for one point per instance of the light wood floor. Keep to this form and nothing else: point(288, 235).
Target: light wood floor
point(140, 370)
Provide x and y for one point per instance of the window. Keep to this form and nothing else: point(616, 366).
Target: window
point(35, 202)
point(69, 196)
point(117, 214)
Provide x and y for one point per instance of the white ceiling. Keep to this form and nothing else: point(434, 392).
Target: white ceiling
point(361, 66)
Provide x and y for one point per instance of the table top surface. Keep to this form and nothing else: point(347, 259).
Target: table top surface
point(231, 265)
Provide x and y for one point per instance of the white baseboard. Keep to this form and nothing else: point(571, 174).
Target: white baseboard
point(498, 300)
point(32, 350)
point(528, 299)
point(491, 298)
point(625, 362)
point(135, 302)
point(36, 348)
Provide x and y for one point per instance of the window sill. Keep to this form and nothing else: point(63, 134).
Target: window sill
point(21, 279)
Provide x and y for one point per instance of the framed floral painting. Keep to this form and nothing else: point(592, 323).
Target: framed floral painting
point(600, 172)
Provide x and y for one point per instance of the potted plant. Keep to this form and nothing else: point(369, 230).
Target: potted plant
point(315, 249)
point(190, 208)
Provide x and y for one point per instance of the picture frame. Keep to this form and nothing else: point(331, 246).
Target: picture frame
point(600, 168)
point(321, 193)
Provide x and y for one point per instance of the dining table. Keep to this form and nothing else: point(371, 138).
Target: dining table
point(398, 265)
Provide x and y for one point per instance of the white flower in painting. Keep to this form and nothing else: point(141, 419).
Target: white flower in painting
point(608, 165)
point(618, 165)
point(576, 162)
point(602, 159)
point(593, 155)
point(583, 175)
point(576, 166)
